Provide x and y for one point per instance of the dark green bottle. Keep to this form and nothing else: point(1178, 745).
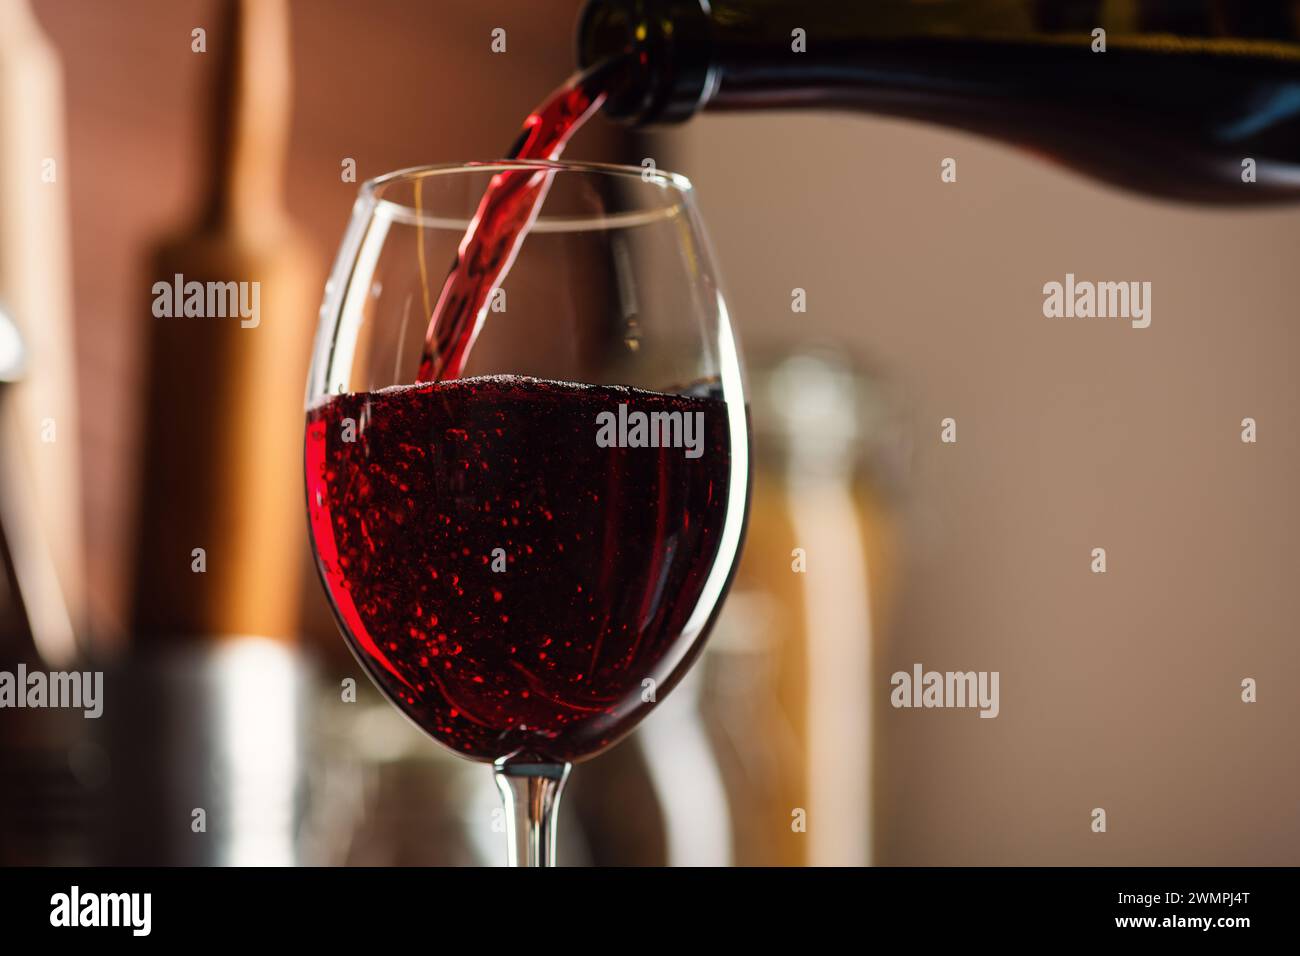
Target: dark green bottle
point(1192, 99)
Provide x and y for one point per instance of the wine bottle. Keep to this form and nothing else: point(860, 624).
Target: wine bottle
point(1183, 100)
point(218, 522)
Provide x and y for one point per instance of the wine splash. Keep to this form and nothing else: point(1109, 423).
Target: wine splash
point(504, 215)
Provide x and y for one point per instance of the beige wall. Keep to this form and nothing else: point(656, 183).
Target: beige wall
point(1121, 690)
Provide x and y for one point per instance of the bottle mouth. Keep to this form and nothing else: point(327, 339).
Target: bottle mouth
point(665, 47)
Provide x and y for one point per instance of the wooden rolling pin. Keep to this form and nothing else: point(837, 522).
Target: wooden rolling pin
point(220, 523)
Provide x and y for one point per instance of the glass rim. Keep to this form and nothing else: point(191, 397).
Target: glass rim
point(659, 177)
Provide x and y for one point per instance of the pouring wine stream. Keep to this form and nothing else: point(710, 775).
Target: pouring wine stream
point(504, 216)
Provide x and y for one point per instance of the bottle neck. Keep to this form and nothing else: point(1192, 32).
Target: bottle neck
point(668, 48)
point(250, 118)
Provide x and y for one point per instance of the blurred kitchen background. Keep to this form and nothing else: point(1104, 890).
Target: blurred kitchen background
point(122, 438)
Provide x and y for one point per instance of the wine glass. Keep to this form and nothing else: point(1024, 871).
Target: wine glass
point(526, 558)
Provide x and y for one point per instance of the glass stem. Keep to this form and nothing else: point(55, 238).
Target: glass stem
point(531, 792)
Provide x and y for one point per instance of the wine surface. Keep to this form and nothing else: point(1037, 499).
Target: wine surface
point(510, 581)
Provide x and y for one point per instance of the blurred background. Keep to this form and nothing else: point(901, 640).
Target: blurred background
point(123, 438)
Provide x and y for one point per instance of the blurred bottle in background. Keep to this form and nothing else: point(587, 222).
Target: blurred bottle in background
point(790, 691)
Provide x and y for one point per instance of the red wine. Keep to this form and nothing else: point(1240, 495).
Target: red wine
point(509, 582)
point(504, 215)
